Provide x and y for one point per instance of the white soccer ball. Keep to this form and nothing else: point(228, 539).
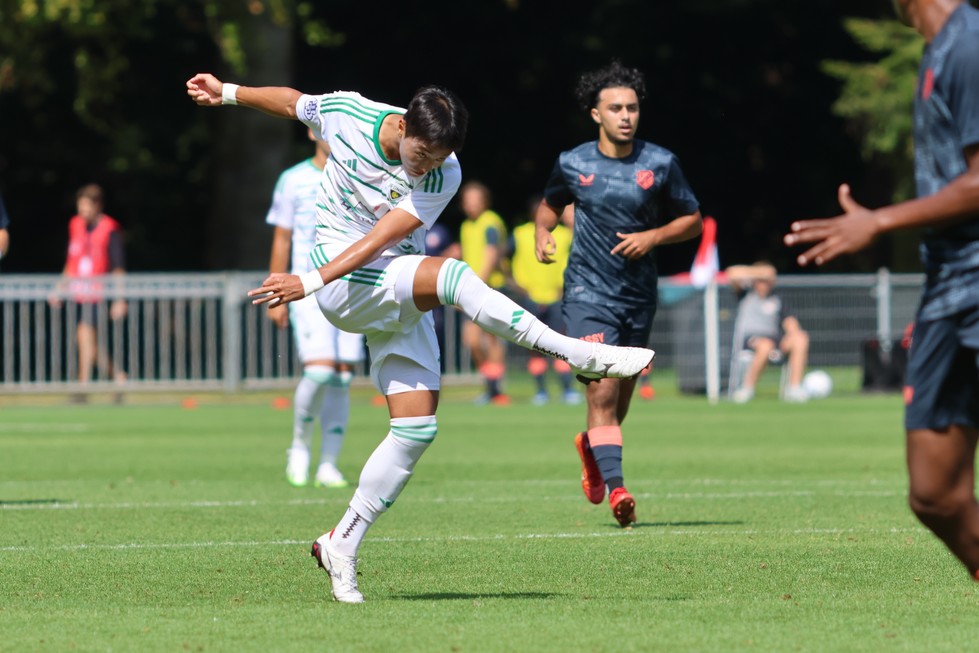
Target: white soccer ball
point(817, 384)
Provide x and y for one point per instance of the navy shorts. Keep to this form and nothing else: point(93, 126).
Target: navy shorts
point(942, 383)
point(613, 324)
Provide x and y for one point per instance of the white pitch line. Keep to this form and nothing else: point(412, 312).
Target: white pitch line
point(36, 427)
point(665, 531)
point(254, 503)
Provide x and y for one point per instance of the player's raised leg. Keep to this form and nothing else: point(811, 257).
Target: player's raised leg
point(452, 282)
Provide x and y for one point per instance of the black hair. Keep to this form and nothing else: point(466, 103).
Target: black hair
point(436, 116)
point(615, 75)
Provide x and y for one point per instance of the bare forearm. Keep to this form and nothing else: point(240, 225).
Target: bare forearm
point(389, 231)
point(279, 101)
point(956, 202)
point(281, 246)
point(547, 216)
point(680, 229)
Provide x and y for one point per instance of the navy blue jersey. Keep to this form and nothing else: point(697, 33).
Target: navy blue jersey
point(946, 120)
point(642, 191)
point(4, 220)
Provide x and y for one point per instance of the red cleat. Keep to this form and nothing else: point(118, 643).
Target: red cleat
point(500, 400)
point(623, 506)
point(591, 478)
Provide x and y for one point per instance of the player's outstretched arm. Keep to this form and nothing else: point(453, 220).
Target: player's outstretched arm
point(859, 226)
point(208, 91)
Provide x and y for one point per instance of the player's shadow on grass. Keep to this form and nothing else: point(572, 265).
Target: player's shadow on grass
point(459, 596)
point(679, 524)
point(31, 502)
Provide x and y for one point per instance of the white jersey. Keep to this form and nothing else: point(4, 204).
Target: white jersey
point(359, 184)
point(294, 207)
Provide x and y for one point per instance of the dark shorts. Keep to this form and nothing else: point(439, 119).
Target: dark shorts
point(626, 326)
point(86, 312)
point(942, 383)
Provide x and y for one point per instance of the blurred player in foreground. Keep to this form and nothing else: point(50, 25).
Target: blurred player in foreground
point(630, 196)
point(941, 407)
point(390, 174)
point(327, 353)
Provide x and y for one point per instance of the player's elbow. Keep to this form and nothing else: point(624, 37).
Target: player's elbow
point(695, 226)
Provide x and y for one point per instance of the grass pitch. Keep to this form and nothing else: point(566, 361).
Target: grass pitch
point(764, 527)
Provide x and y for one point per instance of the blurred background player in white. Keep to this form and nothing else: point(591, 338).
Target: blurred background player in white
point(328, 354)
point(482, 236)
point(541, 287)
point(390, 174)
point(765, 328)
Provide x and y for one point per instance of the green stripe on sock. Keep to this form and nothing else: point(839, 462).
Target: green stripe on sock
point(424, 433)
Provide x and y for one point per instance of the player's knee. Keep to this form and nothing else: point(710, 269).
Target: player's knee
point(935, 503)
point(320, 374)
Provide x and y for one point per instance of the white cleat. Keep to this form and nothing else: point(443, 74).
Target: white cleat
point(329, 476)
point(342, 570)
point(743, 395)
point(795, 395)
point(611, 362)
point(297, 467)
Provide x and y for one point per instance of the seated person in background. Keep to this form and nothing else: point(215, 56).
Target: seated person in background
point(765, 330)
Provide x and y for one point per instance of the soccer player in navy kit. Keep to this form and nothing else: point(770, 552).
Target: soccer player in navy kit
point(942, 393)
point(630, 196)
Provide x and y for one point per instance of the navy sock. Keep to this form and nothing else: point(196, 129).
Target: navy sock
point(608, 457)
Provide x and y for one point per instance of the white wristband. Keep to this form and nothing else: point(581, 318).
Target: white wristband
point(229, 93)
point(312, 281)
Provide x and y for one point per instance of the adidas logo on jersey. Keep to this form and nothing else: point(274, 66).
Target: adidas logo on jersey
point(352, 164)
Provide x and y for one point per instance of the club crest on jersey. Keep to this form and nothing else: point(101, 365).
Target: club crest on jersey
point(586, 181)
point(645, 179)
point(309, 109)
point(396, 190)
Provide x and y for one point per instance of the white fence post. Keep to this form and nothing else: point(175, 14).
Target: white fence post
point(231, 333)
point(712, 342)
point(884, 309)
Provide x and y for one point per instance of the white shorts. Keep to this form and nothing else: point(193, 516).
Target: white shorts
point(377, 301)
point(317, 339)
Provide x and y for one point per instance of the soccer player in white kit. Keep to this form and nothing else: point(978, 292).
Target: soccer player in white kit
point(390, 174)
point(327, 353)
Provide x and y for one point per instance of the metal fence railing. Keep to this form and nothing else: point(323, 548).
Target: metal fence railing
point(199, 331)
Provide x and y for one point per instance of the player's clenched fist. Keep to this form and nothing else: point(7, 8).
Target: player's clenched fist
point(205, 89)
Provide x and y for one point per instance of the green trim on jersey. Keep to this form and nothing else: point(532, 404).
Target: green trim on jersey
point(349, 106)
point(362, 157)
point(432, 183)
point(365, 276)
point(377, 140)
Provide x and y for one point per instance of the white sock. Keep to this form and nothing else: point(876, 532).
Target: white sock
point(309, 397)
point(334, 415)
point(387, 471)
point(459, 286)
point(349, 533)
